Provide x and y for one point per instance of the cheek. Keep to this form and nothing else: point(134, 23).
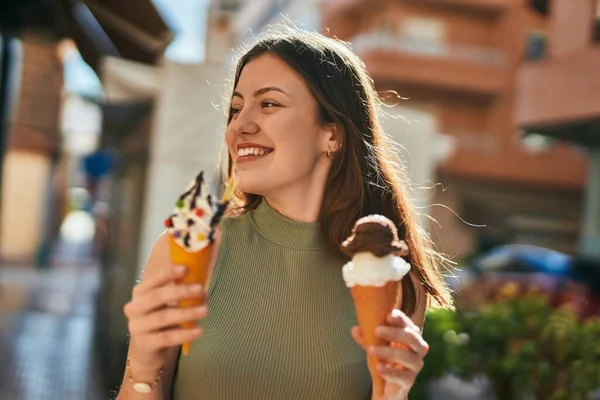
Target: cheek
point(298, 152)
point(295, 136)
point(229, 139)
point(296, 159)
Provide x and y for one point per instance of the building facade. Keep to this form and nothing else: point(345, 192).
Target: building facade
point(459, 60)
point(559, 96)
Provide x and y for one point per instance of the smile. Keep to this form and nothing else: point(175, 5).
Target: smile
point(247, 154)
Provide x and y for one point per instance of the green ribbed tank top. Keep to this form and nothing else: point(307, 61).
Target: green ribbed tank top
point(279, 319)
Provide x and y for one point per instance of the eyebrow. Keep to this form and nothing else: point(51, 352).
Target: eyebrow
point(260, 91)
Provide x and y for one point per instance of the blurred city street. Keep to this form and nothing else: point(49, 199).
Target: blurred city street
point(108, 109)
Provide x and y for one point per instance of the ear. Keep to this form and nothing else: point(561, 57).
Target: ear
point(332, 138)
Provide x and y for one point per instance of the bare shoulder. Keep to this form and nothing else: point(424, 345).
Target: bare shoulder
point(159, 258)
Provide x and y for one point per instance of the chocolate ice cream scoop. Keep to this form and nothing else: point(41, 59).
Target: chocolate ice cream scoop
point(374, 234)
point(374, 277)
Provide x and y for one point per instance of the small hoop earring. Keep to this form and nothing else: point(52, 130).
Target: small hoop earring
point(328, 152)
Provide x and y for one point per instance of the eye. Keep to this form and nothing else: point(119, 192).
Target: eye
point(233, 111)
point(268, 104)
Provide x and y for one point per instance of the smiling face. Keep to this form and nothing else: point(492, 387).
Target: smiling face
point(275, 139)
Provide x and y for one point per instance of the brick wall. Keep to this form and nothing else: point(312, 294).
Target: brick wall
point(36, 117)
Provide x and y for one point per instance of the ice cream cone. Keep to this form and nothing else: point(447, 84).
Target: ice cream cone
point(197, 265)
point(373, 304)
point(374, 277)
point(191, 231)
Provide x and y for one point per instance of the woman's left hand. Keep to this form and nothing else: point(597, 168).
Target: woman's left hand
point(402, 359)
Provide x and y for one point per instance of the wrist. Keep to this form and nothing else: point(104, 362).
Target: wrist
point(143, 377)
point(142, 369)
point(143, 361)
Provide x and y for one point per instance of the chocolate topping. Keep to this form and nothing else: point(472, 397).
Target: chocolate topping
point(374, 234)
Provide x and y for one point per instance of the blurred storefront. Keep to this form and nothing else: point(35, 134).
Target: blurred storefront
point(34, 103)
point(71, 147)
point(31, 91)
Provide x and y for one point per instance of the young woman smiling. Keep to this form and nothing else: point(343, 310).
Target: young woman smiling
point(306, 146)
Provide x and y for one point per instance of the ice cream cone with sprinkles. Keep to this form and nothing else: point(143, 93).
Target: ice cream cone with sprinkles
point(191, 230)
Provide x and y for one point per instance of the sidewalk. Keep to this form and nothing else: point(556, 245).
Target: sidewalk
point(46, 331)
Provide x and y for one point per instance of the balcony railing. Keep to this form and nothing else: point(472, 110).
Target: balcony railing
point(427, 47)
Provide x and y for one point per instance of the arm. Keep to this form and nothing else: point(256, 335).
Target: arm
point(158, 260)
point(157, 264)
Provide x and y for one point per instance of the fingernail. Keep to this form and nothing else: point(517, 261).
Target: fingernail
point(380, 330)
point(396, 313)
point(179, 269)
point(372, 350)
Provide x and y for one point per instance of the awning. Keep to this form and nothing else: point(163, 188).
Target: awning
point(131, 29)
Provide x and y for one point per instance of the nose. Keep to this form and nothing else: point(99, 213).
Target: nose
point(244, 124)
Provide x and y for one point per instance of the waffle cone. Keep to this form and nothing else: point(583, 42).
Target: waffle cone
point(373, 305)
point(197, 273)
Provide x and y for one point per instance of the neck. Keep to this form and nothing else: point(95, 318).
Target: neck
point(298, 204)
point(303, 200)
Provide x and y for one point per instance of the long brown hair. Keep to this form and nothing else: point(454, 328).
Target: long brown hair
point(366, 175)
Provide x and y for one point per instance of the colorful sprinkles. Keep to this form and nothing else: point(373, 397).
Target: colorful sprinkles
point(185, 233)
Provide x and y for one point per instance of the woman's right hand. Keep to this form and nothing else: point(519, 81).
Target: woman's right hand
point(154, 317)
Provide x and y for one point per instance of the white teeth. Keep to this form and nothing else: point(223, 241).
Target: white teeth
point(255, 151)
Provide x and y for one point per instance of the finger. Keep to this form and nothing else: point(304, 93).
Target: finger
point(170, 338)
point(167, 276)
point(402, 357)
point(398, 318)
point(400, 377)
point(161, 297)
point(358, 337)
point(166, 295)
point(166, 318)
point(405, 336)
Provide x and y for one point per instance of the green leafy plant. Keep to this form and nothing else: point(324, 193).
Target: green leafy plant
point(526, 347)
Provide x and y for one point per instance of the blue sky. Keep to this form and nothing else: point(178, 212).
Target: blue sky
point(188, 18)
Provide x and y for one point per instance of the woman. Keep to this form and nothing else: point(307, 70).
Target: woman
point(306, 146)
